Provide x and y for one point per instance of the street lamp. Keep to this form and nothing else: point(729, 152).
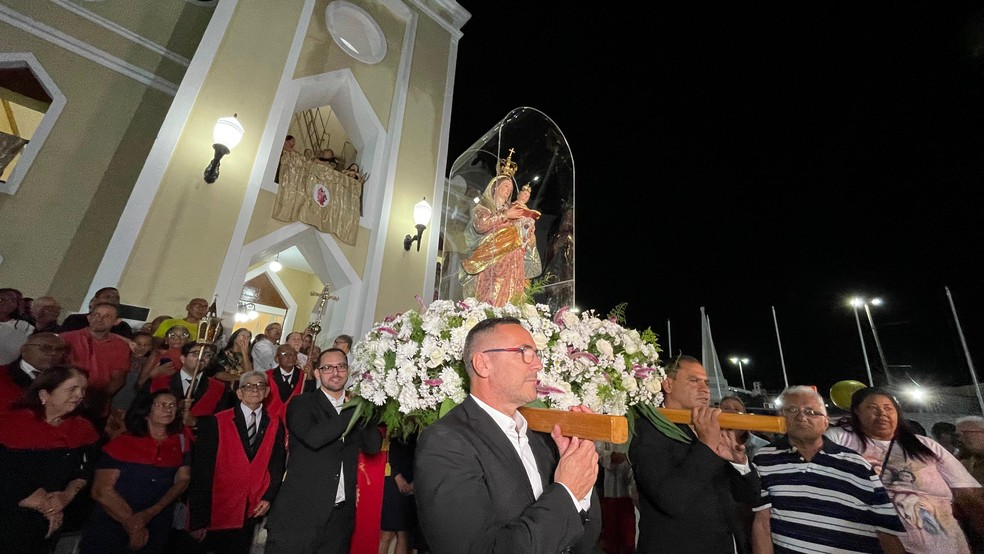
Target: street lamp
point(856, 302)
point(874, 332)
point(741, 370)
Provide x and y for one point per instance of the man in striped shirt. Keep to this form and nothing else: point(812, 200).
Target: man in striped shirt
point(818, 496)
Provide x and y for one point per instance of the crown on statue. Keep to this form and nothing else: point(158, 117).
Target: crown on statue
point(527, 187)
point(506, 166)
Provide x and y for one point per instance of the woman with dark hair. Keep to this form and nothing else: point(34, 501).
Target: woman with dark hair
point(921, 477)
point(139, 477)
point(46, 455)
point(235, 360)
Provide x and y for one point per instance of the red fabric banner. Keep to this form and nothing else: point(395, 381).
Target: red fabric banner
point(369, 502)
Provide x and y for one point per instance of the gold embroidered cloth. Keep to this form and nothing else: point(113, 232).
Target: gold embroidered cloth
point(313, 193)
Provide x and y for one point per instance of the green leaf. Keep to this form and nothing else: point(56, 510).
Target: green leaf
point(361, 407)
point(538, 403)
point(446, 406)
point(662, 424)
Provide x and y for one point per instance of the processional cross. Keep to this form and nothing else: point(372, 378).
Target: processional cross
point(324, 296)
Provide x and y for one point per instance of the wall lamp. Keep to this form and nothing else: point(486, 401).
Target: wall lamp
point(226, 135)
point(421, 215)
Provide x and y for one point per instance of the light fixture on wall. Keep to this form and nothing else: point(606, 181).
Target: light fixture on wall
point(246, 312)
point(275, 265)
point(226, 135)
point(421, 215)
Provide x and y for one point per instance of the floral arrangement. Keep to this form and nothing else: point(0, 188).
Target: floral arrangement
point(408, 369)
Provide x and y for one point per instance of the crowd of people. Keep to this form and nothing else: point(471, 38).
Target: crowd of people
point(152, 440)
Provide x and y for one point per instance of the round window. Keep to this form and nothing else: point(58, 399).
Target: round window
point(355, 31)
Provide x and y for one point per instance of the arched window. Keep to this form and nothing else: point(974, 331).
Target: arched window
point(29, 105)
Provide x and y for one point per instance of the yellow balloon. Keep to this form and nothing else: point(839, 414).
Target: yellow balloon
point(842, 391)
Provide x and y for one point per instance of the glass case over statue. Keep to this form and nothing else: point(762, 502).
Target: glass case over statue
point(508, 222)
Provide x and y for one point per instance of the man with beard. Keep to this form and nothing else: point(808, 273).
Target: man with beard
point(321, 467)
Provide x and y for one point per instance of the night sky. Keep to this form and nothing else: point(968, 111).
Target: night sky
point(744, 157)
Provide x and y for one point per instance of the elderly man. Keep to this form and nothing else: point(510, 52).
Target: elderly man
point(483, 481)
point(315, 510)
point(40, 352)
point(237, 468)
point(818, 496)
point(286, 381)
point(970, 440)
point(265, 349)
point(104, 355)
point(691, 485)
point(46, 311)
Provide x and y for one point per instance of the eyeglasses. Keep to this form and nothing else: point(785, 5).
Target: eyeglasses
point(48, 349)
point(334, 368)
point(165, 405)
point(253, 387)
point(793, 411)
point(287, 354)
point(527, 352)
point(178, 335)
point(200, 354)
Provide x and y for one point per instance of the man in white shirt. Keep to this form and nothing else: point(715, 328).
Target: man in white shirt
point(264, 350)
point(484, 482)
point(322, 468)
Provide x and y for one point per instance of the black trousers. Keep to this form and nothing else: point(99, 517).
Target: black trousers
point(333, 537)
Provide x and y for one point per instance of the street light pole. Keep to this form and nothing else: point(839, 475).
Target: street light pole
point(874, 332)
point(864, 350)
point(741, 370)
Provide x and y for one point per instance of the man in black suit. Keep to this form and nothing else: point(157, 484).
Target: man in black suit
point(689, 492)
point(315, 510)
point(40, 352)
point(236, 471)
point(484, 483)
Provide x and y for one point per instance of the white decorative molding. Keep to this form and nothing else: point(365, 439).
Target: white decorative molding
point(58, 102)
point(122, 31)
point(144, 190)
point(87, 51)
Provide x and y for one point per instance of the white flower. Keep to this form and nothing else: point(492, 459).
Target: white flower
point(570, 319)
point(605, 349)
point(586, 360)
point(436, 358)
point(530, 312)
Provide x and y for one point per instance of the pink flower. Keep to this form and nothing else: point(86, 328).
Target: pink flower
point(434, 382)
point(583, 354)
point(367, 376)
point(559, 316)
point(389, 330)
point(546, 390)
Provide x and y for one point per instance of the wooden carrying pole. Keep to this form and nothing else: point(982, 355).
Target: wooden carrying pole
point(615, 429)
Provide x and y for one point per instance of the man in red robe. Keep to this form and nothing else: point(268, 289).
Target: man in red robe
point(209, 395)
point(286, 381)
point(236, 471)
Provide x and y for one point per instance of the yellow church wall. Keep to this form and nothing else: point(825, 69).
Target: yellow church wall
point(416, 171)
point(300, 285)
point(191, 222)
point(320, 54)
point(177, 26)
point(261, 225)
point(60, 220)
point(162, 17)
